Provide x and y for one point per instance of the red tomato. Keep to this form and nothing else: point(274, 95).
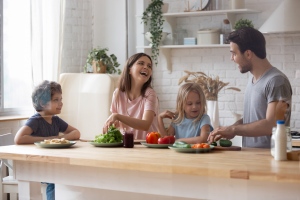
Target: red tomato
point(152, 137)
point(166, 140)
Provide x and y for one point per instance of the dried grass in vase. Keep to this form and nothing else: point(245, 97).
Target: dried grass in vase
point(210, 86)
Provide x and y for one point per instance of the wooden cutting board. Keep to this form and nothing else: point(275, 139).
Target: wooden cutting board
point(232, 148)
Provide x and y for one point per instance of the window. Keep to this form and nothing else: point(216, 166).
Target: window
point(30, 40)
point(16, 84)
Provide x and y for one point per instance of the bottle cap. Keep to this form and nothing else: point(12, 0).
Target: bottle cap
point(280, 121)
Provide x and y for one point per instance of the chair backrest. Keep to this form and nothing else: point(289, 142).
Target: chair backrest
point(87, 100)
point(7, 139)
point(12, 187)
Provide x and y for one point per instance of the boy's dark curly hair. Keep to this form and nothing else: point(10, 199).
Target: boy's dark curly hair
point(43, 93)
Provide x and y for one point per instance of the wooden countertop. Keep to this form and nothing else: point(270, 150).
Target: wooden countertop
point(252, 164)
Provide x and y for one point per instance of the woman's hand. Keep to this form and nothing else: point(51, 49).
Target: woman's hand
point(112, 120)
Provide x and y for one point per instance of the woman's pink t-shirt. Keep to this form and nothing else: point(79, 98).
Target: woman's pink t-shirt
point(136, 108)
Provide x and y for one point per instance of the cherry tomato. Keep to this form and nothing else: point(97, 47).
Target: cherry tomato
point(152, 137)
point(166, 140)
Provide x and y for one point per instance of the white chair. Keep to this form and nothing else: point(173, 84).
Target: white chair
point(87, 100)
point(8, 185)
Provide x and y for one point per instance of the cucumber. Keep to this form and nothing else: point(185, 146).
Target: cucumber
point(214, 144)
point(181, 144)
point(225, 143)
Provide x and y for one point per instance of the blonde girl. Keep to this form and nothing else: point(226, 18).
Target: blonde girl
point(190, 123)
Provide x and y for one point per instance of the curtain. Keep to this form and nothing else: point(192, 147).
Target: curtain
point(47, 21)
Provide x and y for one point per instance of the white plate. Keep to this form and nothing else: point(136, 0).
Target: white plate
point(43, 145)
point(191, 150)
point(118, 144)
point(155, 145)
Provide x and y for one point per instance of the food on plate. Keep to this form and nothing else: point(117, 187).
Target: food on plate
point(113, 135)
point(225, 143)
point(201, 146)
point(214, 144)
point(181, 144)
point(56, 141)
point(152, 137)
point(166, 140)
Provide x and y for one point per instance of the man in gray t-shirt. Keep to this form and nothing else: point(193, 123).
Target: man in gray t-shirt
point(266, 90)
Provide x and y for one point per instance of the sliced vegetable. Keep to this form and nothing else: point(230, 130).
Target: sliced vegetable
point(181, 144)
point(201, 146)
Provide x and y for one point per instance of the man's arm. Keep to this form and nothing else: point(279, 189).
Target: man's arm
point(258, 128)
point(275, 111)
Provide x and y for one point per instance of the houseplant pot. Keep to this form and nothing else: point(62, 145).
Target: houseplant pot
point(101, 62)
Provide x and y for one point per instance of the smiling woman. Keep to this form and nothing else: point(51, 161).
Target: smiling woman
point(29, 50)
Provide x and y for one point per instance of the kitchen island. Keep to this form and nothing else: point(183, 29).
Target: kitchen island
point(149, 173)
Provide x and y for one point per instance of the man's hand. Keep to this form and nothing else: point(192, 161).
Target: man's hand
point(221, 132)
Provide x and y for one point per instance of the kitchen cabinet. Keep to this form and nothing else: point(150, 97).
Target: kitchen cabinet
point(170, 21)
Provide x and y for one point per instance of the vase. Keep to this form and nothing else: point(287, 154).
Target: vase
point(165, 8)
point(237, 4)
point(213, 112)
point(101, 65)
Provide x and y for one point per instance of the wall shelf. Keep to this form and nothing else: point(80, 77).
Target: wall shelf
point(165, 50)
point(210, 12)
point(186, 46)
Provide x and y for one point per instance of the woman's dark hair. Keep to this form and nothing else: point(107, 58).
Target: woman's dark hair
point(43, 93)
point(125, 80)
point(248, 38)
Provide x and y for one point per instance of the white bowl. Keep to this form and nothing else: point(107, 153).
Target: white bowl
point(148, 36)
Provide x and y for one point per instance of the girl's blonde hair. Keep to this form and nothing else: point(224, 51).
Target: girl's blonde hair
point(182, 98)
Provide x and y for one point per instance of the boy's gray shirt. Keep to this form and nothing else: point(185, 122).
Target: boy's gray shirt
point(271, 86)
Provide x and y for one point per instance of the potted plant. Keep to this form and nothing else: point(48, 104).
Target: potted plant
point(241, 23)
point(102, 62)
point(153, 16)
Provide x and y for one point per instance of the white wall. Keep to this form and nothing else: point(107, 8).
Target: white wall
point(109, 27)
point(283, 50)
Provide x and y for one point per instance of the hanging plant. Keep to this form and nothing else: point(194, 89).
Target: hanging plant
point(153, 16)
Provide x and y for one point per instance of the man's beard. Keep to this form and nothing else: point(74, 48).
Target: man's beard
point(245, 68)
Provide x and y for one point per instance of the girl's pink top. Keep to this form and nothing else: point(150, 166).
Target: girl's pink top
point(136, 108)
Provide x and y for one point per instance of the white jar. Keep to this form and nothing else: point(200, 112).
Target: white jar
point(280, 141)
point(208, 36)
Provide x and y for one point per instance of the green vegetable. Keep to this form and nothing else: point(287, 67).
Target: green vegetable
point(113, 135)
point(225, 143)
point(214, 144)
point(181, 144)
